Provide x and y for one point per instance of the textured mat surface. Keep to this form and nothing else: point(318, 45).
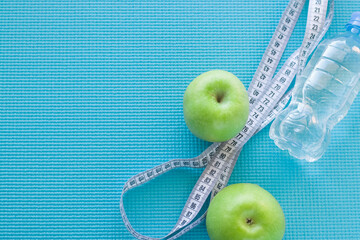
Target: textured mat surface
point(91, 94)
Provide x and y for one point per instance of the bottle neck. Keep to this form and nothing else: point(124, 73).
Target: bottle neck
point(353, 25)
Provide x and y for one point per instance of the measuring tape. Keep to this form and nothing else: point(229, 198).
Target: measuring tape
point(267, 97)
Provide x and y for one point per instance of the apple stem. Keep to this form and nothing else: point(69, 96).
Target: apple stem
point(220, 97)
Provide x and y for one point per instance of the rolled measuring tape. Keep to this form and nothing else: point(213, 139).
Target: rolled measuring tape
point(268, 95)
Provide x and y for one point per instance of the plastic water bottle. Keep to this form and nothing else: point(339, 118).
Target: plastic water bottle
point(322, 95)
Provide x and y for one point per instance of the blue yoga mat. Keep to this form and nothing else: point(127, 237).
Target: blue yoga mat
point(91, 94)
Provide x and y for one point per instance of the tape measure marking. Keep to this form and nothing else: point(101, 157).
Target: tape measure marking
point(316, 20)
point(274, 51)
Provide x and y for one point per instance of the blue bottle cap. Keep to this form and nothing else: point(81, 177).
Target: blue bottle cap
point(354, 21)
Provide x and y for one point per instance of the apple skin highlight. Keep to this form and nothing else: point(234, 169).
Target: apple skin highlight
point(245, 212)
point(216, 106)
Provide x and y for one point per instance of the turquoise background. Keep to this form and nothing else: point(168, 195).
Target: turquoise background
point(91, 94)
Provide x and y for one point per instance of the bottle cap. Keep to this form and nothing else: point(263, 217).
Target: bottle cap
point(354, 21)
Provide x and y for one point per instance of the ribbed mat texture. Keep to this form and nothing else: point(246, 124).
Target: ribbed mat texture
point(91, 94)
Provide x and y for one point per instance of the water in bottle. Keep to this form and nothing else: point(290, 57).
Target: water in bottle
point(322, 95)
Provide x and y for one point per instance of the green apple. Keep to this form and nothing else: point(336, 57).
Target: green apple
point(245, 212)
point(216, 106)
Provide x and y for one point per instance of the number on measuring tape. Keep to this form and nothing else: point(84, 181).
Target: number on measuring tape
point(275, 50)
point(316, 20)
